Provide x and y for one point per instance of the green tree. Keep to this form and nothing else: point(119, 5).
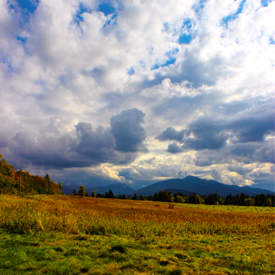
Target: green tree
point(93, 194)
point(180, 199)
point(249, 201)
point(81, 191)
point(171, 198)
point(268, 202)
point(74, 192)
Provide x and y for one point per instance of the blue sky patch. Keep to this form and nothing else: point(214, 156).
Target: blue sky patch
point(186, 32)
point(111, 21)
point(187, 25)
point(271, 41)
point(266, 2)
point(170, 61)
point(131, 71)
point(78, 15)
point(106, 9)
point(185, 39)
point(28, 6)
point(24, 8)
point(4, 60)
point(198, 7)
point(233, 16)
point(22, 39)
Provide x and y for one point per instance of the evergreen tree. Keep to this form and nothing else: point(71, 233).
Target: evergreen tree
point(228, 200)
point(155, 198)
point(111, 194)
point(135, 197)
point(163, 196)
point(74, 192)
point(93, 194)
point(194, 199)
point(210, 199)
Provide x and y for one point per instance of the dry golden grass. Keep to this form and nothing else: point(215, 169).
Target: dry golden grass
point(74, 214)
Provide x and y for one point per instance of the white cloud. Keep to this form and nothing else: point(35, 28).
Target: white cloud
point(68, 72)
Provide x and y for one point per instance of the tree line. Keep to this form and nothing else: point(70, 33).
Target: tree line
point(211, 199)
point(21, 182)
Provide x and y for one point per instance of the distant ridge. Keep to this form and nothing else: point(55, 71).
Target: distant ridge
point(200, 187)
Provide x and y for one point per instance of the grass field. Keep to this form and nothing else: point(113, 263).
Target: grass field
point(71, 235)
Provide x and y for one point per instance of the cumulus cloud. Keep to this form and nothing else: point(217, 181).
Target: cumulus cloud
point(171, 134)
point(202, 74)
point(127, 130)
point(84, 147)
point(174, 148)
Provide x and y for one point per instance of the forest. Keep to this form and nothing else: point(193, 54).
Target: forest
point(211, 199)
point(21, 182)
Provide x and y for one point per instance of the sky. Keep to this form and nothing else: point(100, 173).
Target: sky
point(133, 91)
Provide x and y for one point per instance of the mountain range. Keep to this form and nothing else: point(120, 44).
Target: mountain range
point(187, 185)
point(200, 187)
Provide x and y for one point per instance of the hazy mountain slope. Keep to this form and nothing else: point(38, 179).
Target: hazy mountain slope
point(200, 187)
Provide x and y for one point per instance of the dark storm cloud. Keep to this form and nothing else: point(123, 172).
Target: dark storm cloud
point(98, 146)
point(174, 148)
point(171, 134)
point(49, 151)
point(127, 130)
point(253, 128)
point(83, 147)
point(212, 131)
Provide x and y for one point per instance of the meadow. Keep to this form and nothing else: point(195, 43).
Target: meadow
point(55, 234)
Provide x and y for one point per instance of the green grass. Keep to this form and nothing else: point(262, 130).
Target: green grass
point(190, 254)
point(65, 235)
